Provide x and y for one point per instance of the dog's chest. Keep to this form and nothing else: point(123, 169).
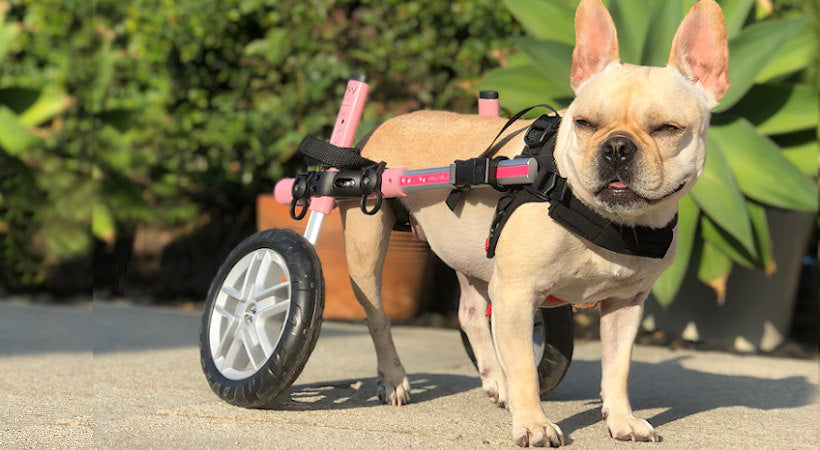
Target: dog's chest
point(595, 279)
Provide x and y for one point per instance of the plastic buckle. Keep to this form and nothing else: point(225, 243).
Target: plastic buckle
point(471, 172)
point(544, 188)
point(537, 132)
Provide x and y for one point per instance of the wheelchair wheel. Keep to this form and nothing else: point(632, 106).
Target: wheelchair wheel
point(262, 318)
point(553, 343)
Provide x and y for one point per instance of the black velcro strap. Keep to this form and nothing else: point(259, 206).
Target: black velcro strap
point(638, 241)
point(321, 153)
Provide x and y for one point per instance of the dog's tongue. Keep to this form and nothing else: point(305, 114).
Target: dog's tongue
point(618, 184)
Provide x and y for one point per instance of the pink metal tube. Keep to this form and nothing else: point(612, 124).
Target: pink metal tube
point(344, 131)
point(488, 103)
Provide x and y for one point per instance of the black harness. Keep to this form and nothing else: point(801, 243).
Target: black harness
point(566, 209)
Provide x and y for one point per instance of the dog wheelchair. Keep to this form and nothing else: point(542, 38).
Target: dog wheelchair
point(263, 311)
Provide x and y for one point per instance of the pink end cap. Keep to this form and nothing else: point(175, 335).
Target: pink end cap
point(282, 191)
point(391, 183)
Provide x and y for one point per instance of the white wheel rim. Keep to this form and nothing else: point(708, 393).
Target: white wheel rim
point(538, 337)
point(249, 314)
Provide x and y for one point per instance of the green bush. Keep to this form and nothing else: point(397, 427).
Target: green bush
point(44, 172)
point(192, 108)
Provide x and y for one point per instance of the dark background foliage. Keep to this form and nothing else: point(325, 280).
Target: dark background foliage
point(183, 112)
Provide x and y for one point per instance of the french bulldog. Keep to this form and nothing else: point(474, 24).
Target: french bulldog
point(630, 145)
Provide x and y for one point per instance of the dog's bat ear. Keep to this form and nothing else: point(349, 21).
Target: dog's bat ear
point(700, 50)
point(596, 42)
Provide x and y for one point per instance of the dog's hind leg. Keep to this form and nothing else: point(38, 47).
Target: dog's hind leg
point(366, 239)
point(471, 315)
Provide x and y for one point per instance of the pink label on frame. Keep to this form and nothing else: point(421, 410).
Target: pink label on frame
point(428, 178)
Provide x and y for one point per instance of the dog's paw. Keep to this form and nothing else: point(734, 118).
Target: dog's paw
point(397, 394)
point(495, 389)
point(537, 434)
point(630, 428)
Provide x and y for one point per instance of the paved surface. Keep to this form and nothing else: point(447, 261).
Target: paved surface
point(143, 388)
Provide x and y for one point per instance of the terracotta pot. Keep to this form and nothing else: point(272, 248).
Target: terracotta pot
point(408, 266)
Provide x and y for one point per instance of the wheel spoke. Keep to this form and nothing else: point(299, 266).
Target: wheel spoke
point(221, 310)
point(250, 277)
point(271, 308)
point(234, 351)
point(280, 290)
point(261, 276)
point(233, 293)
point(250, 342)
point(227, 337)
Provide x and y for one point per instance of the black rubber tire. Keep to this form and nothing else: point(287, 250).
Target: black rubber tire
point(301, 329)
point(558, 345)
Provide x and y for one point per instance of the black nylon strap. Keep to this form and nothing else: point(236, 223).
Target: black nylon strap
point(320, 153)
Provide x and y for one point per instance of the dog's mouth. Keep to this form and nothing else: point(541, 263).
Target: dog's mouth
point(617, 193)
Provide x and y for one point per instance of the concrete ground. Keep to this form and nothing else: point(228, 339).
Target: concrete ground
point(142, 387)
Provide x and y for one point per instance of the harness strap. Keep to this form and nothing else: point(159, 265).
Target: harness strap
point(321, 153)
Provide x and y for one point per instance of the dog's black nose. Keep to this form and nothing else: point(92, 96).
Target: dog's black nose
point(618, 150)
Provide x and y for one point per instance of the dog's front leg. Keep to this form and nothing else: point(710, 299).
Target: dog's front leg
point(512, 322)
point(619, 325)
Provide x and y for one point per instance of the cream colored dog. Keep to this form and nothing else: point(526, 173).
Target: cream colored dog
point(653, 119)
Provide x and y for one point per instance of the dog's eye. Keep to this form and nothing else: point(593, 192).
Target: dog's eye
point(666, 128)
point(585, 124)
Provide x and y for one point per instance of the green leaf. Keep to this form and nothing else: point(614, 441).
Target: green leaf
point(750, 52)
point(666, 15)
point(735, 12)
point(763, 238)
point(804, 156)
point(778, 109)
point(545, 19)
point(720, 238)
point(14, 137)
point(717, 194)
point(522, 86)
point(762, 173)
point(51, 102)
point(102, 223)
point(553, 59)
point(668, 284)
point(7, 34)
point(630, 21)
point(714, 268)
point(799, 52)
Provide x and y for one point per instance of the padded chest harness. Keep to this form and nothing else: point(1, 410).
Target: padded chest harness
point(566, 209)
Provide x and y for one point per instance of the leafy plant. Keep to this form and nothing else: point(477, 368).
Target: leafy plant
point(182, 112)
point(38, 221)
point(762, 144)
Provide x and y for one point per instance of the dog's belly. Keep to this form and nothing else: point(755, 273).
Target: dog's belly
point(458, 238)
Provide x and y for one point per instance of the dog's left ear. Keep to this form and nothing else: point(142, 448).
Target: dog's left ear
point(596, 42)
point(700, 50)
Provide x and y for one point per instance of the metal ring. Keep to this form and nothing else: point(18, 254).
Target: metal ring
point(376, 207)
point(305, 204)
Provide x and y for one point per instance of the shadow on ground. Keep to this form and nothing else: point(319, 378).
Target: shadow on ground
point(682, 391)
point(357, 392)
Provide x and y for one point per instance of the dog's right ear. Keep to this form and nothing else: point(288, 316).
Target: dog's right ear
point(596, 42)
